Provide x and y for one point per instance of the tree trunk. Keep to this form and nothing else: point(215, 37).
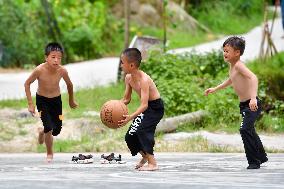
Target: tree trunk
point(54, 31)
point(165, 24)
point(126, 33)
point(171, 124)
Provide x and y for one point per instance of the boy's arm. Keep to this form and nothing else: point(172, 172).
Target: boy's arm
point(221, 86)
point(128, 90)
point(34, 75)
point(69, 84)
point(143, 104)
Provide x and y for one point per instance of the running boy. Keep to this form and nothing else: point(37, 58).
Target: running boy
point(140, 135)
point(48, 97)
point(245, 84)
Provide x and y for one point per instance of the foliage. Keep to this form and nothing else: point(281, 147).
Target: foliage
point(88, 29)
point(182, 79)
point(26, 29)
point(223, 16)
point(21, 32)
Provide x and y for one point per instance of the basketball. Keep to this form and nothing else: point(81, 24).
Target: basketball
point(111, 112)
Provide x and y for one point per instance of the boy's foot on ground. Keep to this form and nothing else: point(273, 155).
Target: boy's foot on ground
point(141, 163)
point(149, 168)
point(253, 166)
point(40, 135)
point(49, 158)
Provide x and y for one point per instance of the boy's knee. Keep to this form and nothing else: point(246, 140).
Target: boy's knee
point(48, 133)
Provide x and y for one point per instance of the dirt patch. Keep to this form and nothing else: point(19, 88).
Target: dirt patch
point(12, 70)
point(19, 130)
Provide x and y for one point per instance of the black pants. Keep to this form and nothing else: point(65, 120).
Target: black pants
point(51, 113)
point(140, 135)
point(254, 150)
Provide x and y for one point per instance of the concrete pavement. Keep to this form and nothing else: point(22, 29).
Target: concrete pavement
point(253, 42)
point(83, 75)
point(177, 170)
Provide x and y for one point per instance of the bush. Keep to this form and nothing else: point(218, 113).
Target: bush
point(182, 79)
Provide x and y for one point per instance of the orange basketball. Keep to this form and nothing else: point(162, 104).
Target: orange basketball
point(111, 112)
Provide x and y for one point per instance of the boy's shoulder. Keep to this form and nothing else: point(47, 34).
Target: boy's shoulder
point(241, 64)
point(39, 68)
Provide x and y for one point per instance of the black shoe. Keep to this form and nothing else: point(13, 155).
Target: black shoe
point(83, 157)
point(74, 158)
point(253, 166)
point(264, 160)
point(110, 157)
point(117, 158)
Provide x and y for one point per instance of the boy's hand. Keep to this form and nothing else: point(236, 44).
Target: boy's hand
point(253, 104)
point(31, 109)
point(210, 90)
point(73, 104)
point(123, 122)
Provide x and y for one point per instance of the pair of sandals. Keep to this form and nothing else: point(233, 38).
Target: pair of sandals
point(111, 159)
point(83, 159)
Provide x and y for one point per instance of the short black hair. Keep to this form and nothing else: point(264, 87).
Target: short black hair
point(53, 46)
point(238, 43)
point(133, 55)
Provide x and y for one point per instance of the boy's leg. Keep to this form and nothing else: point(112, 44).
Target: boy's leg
point(49, 143)
point(40, 135)
point(152, 164)
point(250, 138)
point(262, 156)
point(142, 161)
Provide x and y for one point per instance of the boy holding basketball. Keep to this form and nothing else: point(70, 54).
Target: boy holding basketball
point(245, 84)
point(48, 98)
point(140, 135)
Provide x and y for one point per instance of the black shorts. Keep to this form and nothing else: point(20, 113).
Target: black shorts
point(140, 135)
point(50, 110)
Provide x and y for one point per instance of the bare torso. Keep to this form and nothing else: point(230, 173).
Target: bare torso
point(136, 86)
point(48, 81)
point(240, 84)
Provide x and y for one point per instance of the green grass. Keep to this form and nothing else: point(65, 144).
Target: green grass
point(88, 99)
point(229, 17)
point(15, 104)
point(177, 38)
point(93, 99)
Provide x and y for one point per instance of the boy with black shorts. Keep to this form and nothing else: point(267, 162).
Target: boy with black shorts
point(245, 84)
point(140, 135)
point(48, 97)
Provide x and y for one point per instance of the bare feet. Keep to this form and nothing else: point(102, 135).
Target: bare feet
point(141, 163)
point(40, 135)
point(149, 167)
point(49, 158)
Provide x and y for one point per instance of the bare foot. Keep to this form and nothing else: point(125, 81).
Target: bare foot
point(149, 167)
point(49, 158)
point(40, 135)
point(141, 163)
